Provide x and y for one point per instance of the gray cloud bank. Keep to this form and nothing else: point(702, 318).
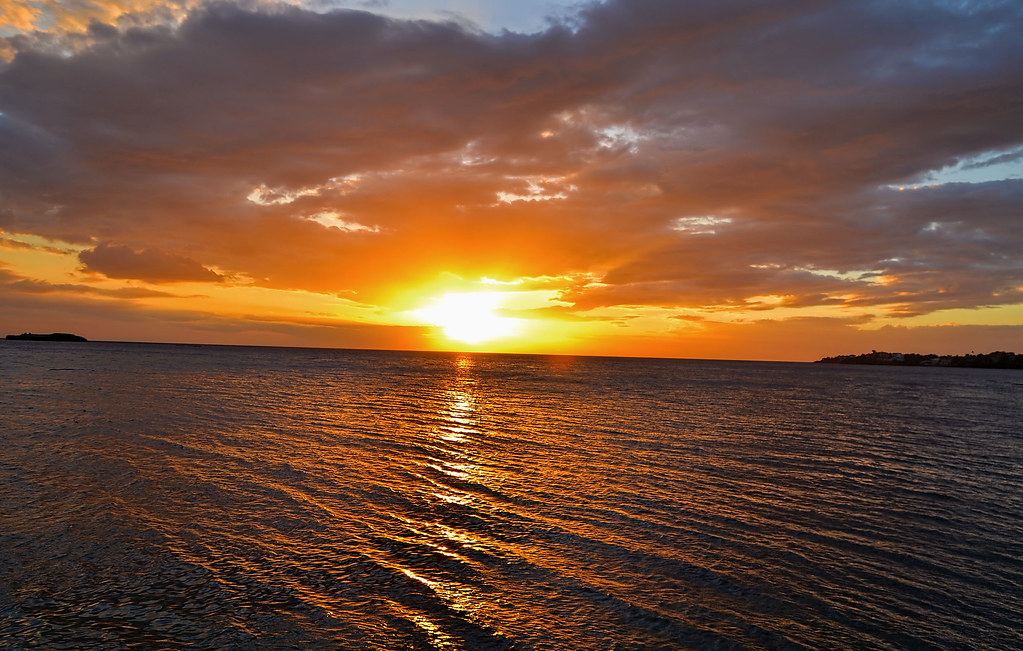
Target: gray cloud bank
point(782, 129)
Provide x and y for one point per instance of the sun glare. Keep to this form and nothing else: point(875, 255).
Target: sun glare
point(470, 318)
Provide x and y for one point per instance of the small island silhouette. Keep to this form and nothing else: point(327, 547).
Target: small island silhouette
point(997, 359)
point(54, 336)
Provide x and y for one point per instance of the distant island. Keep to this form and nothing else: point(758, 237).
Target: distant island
point(54, 336)
point(998, 359)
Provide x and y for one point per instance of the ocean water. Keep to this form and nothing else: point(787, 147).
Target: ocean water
point(162, 496)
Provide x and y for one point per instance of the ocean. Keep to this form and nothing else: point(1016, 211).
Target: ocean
point(172, 496)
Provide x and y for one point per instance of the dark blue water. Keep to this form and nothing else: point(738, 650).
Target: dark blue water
point(162, 496)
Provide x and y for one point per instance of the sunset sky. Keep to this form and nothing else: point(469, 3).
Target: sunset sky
point(681, 178)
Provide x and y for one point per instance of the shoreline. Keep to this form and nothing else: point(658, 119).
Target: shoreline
point(996, 359)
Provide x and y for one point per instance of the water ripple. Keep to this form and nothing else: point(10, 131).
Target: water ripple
point(171, 497)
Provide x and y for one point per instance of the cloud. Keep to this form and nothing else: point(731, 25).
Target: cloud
point(74, 16)
point(151, 265)
point(702, 154)
point(15, 283)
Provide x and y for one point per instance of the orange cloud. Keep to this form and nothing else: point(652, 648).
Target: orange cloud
point(151, 265)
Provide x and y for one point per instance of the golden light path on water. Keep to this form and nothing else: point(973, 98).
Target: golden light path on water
point(458, 420)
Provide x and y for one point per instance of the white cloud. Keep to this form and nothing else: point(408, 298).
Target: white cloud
point(267, 196)
point(702, 225)
point(538, 188)
point(330, 219)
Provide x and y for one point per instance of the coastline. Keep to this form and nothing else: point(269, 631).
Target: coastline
point(53, 336)
point(996, 359)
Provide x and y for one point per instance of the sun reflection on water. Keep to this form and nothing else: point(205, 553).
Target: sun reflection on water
point(454, 438)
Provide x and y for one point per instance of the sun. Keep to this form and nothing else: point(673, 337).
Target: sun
point(470, 318)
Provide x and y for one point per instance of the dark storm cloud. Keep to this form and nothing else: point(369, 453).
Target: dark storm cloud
point(783, 123)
